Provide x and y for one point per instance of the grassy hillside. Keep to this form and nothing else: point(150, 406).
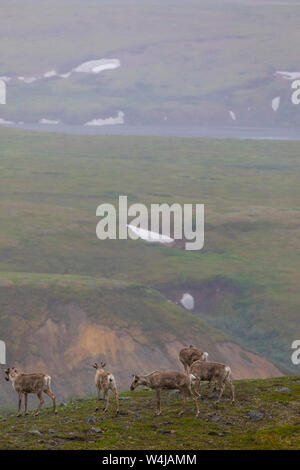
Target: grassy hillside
point(245, 280)
point(266, 416)
point(62, 324)
point(191, 61)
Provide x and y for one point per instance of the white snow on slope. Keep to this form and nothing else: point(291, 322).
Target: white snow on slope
point(107, 121)
point(149, 236)
point(97, 66)
point(65, 75)
point(50, 74)
point(3, 121)
point(48, 121)
point(5, 79)
point(288, 75)
point(29, 79)
point(232, 115)
point(187, 300)
point(275, 103)
point(92, 66)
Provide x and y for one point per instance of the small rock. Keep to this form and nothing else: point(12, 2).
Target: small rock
point(35, 431)
point(137, 415)
point(283, 389)
point(173, 393)
point(213, 417)
point(90, 419)
point(97, 430)
point(213, 396)
point(163, 431)
point(167, 431)
point(63, 404)
point(255, 414)
point(124, 398)
point(51, 431)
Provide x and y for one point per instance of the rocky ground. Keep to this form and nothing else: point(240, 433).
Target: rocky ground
point(265, 416)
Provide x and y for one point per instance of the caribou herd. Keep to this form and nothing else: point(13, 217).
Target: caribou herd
point(197, 369)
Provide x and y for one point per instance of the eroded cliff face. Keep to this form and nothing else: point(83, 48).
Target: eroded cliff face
point(66, 349)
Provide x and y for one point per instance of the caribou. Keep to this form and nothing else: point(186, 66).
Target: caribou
point(24, 384)
point(171, 380)
point(105, 381)
point(212, 372)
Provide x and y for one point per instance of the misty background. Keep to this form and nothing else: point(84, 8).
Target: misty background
point(170, 63)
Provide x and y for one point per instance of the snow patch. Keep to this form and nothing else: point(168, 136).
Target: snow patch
point(5, 79)
point(187, 301)
point(97, 66)
point(3, 121)
point(65, 75)
point(107, 121)
point(275, 103)
point(29, 79)
point(50, 74)
point(48, 121)
point(93, 66)
point(232, 115)
point(149, 236)
point(288, 75)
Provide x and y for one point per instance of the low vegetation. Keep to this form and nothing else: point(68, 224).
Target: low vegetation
point(246, 279)
point(266, 416)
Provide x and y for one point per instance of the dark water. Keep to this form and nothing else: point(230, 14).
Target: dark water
point(233, 132)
